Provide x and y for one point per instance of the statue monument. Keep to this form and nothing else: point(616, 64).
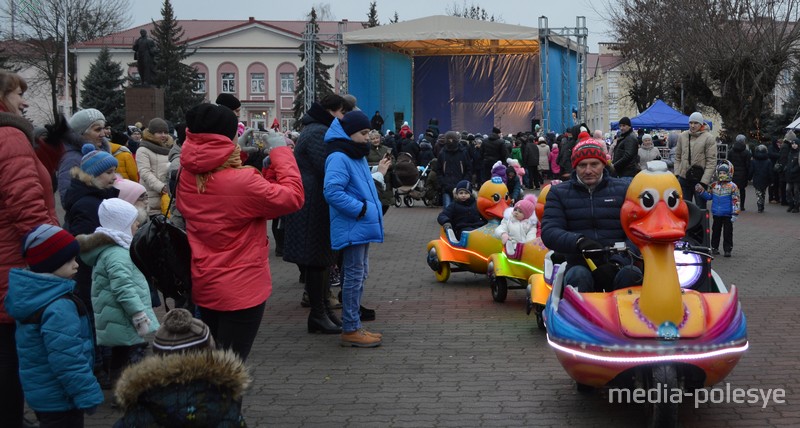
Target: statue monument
point(145, 52)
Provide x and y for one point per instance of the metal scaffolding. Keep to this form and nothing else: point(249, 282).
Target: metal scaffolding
point(580, 33)
point(310, 39)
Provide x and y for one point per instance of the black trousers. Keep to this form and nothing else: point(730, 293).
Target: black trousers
point(12, 404)
point(68, 419)
point(235, 330)
point(722, 224)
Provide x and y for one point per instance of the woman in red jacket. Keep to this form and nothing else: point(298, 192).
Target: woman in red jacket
point(226, 207)
point(26, 190)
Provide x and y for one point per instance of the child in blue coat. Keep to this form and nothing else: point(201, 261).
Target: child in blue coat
point(356, 216)
point(54, 337)
point(724, 197)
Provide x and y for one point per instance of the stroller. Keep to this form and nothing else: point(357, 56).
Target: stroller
point(410, 181)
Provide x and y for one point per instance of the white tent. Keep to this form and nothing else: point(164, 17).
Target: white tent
point(794, 125)
point(451, 35)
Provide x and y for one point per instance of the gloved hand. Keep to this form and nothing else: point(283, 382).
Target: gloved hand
point(585, 243)
point(504, 238)
point(733, 218)
point(275, 139)
point(604, 276)
point(447, 226)
point(246, 138)
point(142, 323)
point(698, 188)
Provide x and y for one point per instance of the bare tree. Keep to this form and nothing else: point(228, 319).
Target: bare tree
point(722, 54)
point(41, 28)
point(471, 11)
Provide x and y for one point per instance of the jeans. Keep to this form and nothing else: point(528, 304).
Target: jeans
point(687, 187)
point(723, 224)
point(12, 403)
point(235, 330)
point(66, 419)
point(355, 265)
point(447, 198)
point(581, 278)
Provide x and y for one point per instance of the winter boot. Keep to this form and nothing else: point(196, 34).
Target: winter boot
point(318, 320)
point(761, 208)
point(360, 339)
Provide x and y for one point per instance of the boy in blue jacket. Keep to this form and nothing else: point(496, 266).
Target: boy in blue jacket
point(356, 216)
point(724, 197)
point(54, 337)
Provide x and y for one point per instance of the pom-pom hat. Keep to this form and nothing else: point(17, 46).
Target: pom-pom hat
point(586, 150)
point(46, 248)
point(181, 332)
point(96, 162)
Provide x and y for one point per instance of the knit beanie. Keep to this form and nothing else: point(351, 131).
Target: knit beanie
point(96, 162)
point(211, 119)
point(129, 191)
point(157, 124)
point(82, 120)
point(354, 122)
point(625, 121)
point(526, 206)
point(586, 150)
point(696, 117)
point(724, 172)
point(180, 332)
point(496, 130)
point(228, 100)
point(452, 136)
point(464, 185)
point(741, 138)
point(117, 214)
point(790, 137)
point(46, 248)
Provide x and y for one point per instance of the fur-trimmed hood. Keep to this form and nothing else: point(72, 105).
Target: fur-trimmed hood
point(93, 241)
point(221, 368)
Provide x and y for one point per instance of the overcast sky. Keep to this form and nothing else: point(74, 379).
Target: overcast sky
point(560, 13)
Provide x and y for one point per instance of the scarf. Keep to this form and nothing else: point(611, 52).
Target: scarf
point(234, 161)
point(122, 239)
point(155, 148)
point(348, 147)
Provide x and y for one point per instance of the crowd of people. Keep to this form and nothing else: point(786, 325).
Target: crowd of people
point(71, 289)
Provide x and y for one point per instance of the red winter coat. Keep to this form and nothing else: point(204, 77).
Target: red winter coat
point(26, 196)
point(227, 224)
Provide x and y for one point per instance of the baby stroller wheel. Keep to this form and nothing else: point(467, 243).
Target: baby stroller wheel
point(397, 201)
point(408, 200)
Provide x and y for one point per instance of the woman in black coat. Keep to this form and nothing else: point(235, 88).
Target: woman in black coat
point(740, 158)
point(307, 234)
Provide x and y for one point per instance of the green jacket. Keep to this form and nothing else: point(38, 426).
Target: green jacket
point(119, 291)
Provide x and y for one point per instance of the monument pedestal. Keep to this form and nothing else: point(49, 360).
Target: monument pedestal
point(143, 103)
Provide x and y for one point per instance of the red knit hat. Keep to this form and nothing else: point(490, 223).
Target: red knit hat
point(588, 149)
point(583, 136)
point(46, 248)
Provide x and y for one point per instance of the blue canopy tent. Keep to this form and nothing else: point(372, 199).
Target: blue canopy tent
point(660, 116)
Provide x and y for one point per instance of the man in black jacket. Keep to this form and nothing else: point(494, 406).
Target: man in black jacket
point(626, 153)
point(493, 149)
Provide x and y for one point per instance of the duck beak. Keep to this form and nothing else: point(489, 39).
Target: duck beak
point(498, 209)
point(662, 225)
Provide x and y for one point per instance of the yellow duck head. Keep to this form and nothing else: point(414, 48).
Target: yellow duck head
point(493, 199)
point(654, 216)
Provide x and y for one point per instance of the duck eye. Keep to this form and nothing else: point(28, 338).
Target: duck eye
point(648, 199)
point(507, 197)
point(496, 197)
point(672, 198)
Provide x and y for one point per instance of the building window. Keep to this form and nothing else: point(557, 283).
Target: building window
point(229, 82)
point(200, 83)
point(287, 83)
point(257, 85)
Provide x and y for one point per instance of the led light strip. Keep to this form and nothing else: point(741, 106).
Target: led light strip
point(652, 359)
point(446, 242)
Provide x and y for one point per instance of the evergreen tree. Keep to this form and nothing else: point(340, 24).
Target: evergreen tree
point(322, 75)
point(372, 15)
point(171, 73)
point(395, 19)
point(102, 89)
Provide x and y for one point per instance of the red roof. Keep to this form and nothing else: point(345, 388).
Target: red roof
point(195, 29)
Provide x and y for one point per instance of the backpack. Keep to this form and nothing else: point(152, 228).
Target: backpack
point(162, 253)
point(36, 317)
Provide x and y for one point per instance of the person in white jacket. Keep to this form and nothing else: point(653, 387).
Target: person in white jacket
point(519, 224)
